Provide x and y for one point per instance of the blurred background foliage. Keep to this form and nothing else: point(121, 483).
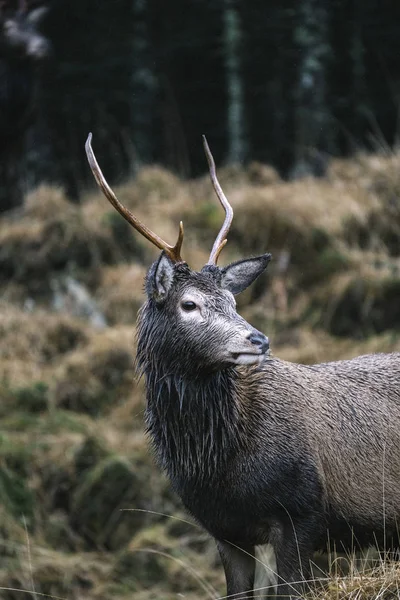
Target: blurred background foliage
point(299, 101)
point(291, 84)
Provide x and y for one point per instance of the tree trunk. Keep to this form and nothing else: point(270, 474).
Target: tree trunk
point(312, 116)
point(237, 149)
point(144, 85)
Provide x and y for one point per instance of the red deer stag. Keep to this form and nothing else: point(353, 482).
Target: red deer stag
point(261, 450)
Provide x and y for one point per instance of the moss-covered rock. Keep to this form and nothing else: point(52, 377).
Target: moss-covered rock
point(98, 502)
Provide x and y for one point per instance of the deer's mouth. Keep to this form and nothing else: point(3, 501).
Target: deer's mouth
point(248, 358)
point(254, 351)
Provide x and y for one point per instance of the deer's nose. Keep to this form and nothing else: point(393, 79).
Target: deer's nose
point(259, 340)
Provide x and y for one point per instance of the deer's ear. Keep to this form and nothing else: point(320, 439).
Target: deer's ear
point(160, 278)
point(237, 276)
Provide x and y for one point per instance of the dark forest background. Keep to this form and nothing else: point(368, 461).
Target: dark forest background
point(289, 83)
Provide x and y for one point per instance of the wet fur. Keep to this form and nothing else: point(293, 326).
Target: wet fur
point(279, 453)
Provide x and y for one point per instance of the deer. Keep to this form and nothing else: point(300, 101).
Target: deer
point(260, 450)
point(23, 51)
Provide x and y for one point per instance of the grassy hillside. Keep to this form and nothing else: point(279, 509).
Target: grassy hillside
point(84, 509)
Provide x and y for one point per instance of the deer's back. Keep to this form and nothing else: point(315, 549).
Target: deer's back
point(350, 417)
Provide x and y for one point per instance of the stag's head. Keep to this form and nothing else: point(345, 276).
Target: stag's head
point(189, 322)
point(20, 37)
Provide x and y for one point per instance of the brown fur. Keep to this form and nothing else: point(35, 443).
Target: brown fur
point(348, 413)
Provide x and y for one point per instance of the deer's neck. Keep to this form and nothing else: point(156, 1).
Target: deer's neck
point(194, 424)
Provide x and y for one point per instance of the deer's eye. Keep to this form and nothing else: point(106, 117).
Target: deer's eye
point(189, 305)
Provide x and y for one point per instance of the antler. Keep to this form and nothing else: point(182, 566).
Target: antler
point(172, 251)
point(222, 236)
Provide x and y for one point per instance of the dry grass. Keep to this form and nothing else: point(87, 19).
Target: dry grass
point(32, 344)
point(121, 292)
point(381, 582)
point(309, 347)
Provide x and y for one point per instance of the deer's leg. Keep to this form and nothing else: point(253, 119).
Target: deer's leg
point(290, 584)
point(293, 552)
point(239, 567)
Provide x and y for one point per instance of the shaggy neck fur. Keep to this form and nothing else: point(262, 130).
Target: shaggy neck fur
point(194, 424)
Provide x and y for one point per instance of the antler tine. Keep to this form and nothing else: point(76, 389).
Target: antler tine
point(174, 252)
point(221, 239)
